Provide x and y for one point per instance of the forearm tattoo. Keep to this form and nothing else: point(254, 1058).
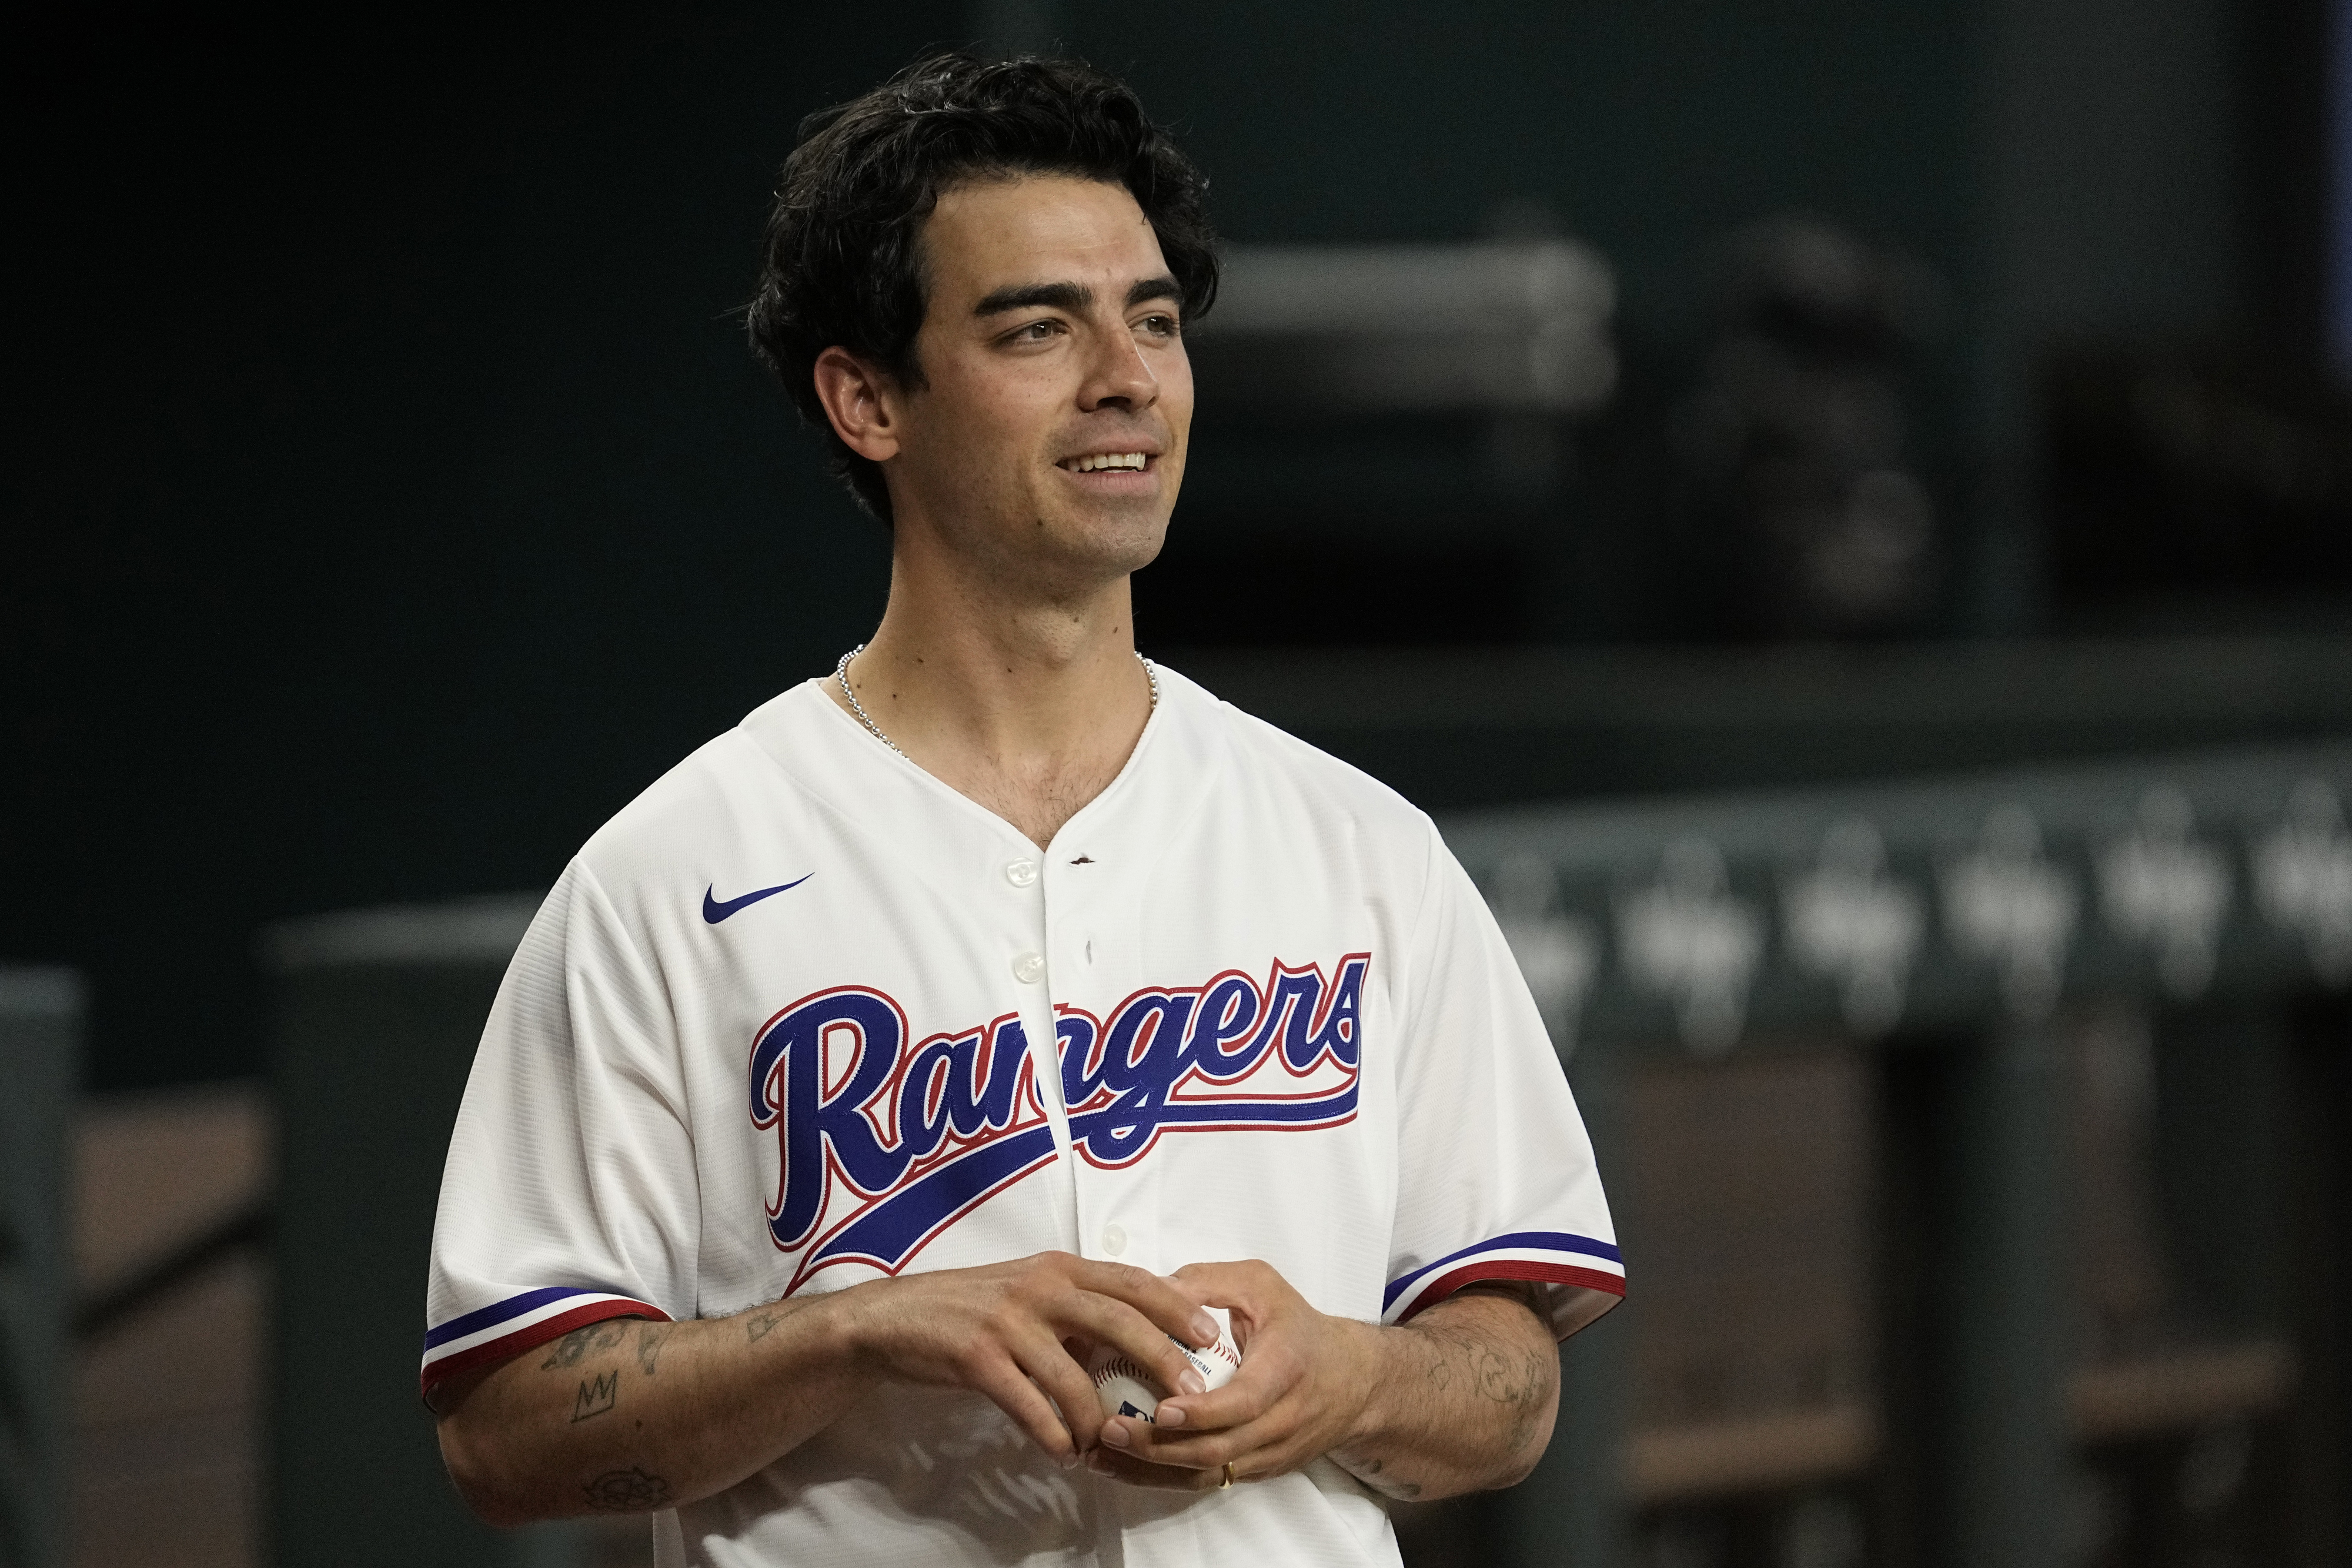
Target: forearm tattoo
point(1513, 1377)
point(580, 1343)
point(600, 1390)
point(627, 1492)
point(762, 1322)
point(1459, 1364)
point(597, 1394)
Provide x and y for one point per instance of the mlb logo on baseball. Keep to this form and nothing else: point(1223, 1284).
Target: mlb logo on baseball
point(1127, 1389)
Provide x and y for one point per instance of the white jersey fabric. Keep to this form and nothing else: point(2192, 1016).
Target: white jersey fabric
point(803, 1016)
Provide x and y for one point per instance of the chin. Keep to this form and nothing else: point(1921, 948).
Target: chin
point(1111, 545)
point(1136, 554)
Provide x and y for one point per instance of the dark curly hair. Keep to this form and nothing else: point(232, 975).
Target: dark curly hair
point(840, 263)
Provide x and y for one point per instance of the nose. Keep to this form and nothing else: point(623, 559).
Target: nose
point(1118, 378)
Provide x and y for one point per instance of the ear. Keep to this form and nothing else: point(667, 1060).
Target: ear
point(861, 403)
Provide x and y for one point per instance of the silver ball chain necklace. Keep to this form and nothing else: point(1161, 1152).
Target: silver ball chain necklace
point(841, 673)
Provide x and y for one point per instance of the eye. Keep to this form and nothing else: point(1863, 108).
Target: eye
point(1034, 331)
point(1160, 325)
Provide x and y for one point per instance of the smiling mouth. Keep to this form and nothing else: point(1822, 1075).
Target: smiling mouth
point(1097, 462)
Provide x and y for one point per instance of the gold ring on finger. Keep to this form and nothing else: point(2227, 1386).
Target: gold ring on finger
point(1229, 1476)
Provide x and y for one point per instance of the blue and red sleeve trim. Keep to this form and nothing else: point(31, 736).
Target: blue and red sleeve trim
point(513, 1326)
point(1551, 1257)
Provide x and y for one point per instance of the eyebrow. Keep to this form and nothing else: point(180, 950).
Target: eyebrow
point(1070, 296)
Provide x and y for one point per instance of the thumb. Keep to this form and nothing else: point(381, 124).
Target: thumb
point(1238, 1287)
point(1219, 1284)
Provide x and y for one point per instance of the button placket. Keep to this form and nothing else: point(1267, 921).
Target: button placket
point(1064, 919)
point(1022, 872)
point(1024, 886)
point(1087, 1235)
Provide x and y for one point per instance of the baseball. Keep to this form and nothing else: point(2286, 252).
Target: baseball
point(1126, 1389)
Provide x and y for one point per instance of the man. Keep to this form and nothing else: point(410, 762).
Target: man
point(1000, 996)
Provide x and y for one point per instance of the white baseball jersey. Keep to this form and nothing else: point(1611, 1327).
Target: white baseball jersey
point(801, 1015)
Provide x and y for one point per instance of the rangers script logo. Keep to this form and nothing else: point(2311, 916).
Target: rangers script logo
point(880, 1147)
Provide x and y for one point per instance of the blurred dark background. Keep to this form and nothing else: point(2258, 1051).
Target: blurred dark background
point(392, 496)
point(1951, 392)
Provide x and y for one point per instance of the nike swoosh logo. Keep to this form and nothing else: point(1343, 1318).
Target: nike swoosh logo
point(714, 910)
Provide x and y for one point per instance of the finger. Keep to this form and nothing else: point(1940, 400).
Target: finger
point(1221, 1284)
point(1204, 1450)
point(1216, 1429)
point(1261, 1405)
point(1109, 1321)
point(1051, 1368)
point(1119, 1467)
point(1026, 1403)
point(1175, 1309)
point(1136, 1440)
point(1249, 1288)
point(1257, 1454)
point(1252, 1392)
point(1273, 1447)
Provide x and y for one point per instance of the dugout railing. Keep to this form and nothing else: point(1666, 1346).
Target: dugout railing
point(1958, 940)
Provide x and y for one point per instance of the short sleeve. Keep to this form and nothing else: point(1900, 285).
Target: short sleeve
point(569, 1191)
point(1495, 1175)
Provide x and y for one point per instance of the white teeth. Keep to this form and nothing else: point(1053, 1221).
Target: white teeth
point(1108, 460)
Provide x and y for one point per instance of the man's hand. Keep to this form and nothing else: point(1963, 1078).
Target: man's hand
point(1009, 1331)
point(1460, 1400)
point(1301, 1391)
point(635, 1416)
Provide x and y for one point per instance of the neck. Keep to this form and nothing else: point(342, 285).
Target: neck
point(1028, 704)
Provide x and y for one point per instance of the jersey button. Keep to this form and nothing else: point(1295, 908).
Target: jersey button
point(1029, 968)
point(1021, 874)
point(1114, 1240)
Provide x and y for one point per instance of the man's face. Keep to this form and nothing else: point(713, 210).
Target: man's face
point(1049, 437)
